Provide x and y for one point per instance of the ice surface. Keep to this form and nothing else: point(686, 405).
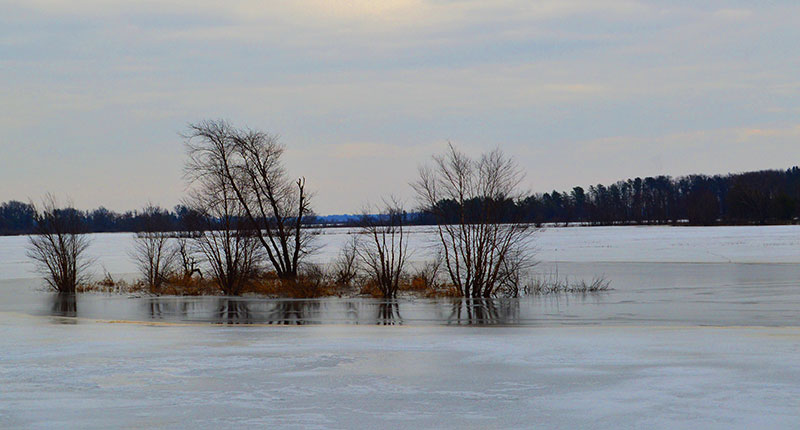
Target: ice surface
point(675, 345)
point(90, 375)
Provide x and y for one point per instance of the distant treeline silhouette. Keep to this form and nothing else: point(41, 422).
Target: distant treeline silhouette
point(759, 197)
point(18, 218)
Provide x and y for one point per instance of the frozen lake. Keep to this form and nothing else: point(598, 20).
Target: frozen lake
point(699, 331)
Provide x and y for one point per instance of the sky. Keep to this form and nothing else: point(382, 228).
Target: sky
point(95, 94)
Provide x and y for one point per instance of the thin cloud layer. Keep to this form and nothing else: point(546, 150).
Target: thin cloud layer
point(95, 92)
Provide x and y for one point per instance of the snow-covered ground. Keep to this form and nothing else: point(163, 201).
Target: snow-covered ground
point(675, 345)
point(654, 244)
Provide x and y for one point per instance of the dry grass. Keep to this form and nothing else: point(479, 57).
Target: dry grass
point(417, 284)
point(188, 286)
point(111, 286)
point(447, 290)
point(370, 288)
point(313, 282)
point(428, 287)
point(552, 284)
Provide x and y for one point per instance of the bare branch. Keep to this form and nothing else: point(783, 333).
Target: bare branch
point(482, 238)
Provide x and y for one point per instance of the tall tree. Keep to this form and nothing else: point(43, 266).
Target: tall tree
point(227, 241)
point(484, 248)
point(249, 164)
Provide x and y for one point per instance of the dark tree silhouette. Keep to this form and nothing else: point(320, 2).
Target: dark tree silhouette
point(384, 250)
point(480, 232)
point(154, 250)
point(249, 164)
point(227, 242)
point(58, 246)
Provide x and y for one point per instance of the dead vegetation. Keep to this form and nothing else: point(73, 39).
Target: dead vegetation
point(314, 281)
point(59, 246)
point(484, 244)
point(383, 253)
point(552, 283)
point(246, 166)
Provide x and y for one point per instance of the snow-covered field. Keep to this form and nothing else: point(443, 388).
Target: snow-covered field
point(761, 244)
point(675, 345)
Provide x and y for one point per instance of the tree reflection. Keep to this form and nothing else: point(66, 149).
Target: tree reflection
point(479, 311)
point(234, 311)
point(389, 313)
point(351, 311)
point(292, 312)
point(163, 309)
point(227, 310)
point(158, 309)
point(64, 305)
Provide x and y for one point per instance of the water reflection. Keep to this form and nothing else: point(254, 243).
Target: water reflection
point(64, 305)
point(389, 313)
point(169, 309)
point(237, 311)
point(484, 312)
point(234, 311)
point(684, 294)
point(293, 312)
point(244, 310)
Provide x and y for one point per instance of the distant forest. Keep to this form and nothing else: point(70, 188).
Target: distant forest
point(759, 197)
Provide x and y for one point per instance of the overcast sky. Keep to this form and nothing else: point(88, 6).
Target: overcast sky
point(94, 94)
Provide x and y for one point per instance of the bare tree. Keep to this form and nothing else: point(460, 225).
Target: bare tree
point(429, 273)
point(153, 252)
point(59, 246)
point(385, 250)
point(484, 243)
point(228, 242)
point(189, 227)
point(345, 266)
point(186, 255)
point(249, 163)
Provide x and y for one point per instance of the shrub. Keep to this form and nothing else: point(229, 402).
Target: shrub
point(59, 246)
point(552, 284)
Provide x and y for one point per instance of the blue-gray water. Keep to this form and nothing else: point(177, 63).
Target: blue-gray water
point(642, 294)
point(713, 344)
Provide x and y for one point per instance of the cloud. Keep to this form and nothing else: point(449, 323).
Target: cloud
point(733, 14)
point(363, 150)
point(782, 132)
point(368, 89)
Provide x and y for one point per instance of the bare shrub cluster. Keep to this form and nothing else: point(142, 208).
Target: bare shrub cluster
point(228, 245)
point(59, 246)
point(345, 268)
point(152, 251)
point(553, 284)
point(485, 245)
point(383, 252)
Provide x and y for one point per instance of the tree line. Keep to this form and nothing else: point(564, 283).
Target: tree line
point(758, 197)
